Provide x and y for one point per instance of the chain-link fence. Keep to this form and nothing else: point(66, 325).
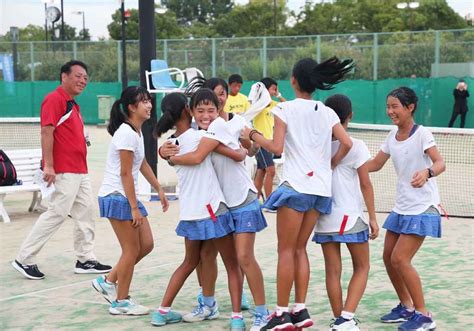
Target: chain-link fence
point(378, 55)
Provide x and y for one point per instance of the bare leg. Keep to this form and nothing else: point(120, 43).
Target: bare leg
point(403, 253)
point(391, 239)
point(191, 260)
point(333, 267)
point(129, 240)
point(226, 248)
point(358, 282)
point(258, 181)
point(268, 180)
point(244, 243)
point(289, 222)
point(302, 270)
point(146, 246)
point(209, 263)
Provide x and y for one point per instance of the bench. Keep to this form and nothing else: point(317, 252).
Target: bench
point(27, 163)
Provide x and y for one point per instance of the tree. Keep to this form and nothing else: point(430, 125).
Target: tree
point(253, 19)
point(166, 26)
point(204, 11)
point(351, 16)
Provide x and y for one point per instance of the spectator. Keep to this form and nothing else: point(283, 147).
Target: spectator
point(236, 103)
point(460, 103)
point(64, 163)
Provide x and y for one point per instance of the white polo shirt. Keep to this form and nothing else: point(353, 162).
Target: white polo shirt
point(307, 166)
point(125, 138)
point(198, 184)
point(346, 194)
point(233, 177)
point(408, 157)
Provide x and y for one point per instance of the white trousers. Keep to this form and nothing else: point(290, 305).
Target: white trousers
point(72, 197)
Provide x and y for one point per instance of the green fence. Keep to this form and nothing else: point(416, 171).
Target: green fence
point(23, 99)
point(378, 55)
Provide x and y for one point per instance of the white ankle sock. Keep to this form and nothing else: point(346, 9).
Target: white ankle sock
point(297, 307)
point(280, 310)
point(237, 315)
point(347, 315)
point(164, 310)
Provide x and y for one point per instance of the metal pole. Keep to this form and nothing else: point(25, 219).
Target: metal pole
point(32, 61)
point(437, 54)
point(84, 25)
point(45, 25)
point(147, 41)
point(214, 57)
point(62, 21)
point(375, 57)
point(124, 51)
point(264, 57)
point(318, 48)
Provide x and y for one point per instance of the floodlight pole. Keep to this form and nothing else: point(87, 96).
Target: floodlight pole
point(147, 40)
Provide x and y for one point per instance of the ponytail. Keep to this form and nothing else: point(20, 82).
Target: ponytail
point(172, 106)
point(117, 117)
point(119, 113)
point(323, 76)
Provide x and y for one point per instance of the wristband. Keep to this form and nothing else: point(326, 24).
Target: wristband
point(252, 133)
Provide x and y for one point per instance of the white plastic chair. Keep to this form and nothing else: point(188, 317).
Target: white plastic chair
point(160, 76)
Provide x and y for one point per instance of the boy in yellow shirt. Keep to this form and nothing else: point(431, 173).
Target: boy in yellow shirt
point(236, 103)
point(264, 123)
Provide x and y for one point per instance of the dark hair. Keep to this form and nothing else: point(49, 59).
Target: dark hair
point(119, 112)
point(267, 81)
point(214, 82)
point(461, 81)
point(323, 76)
point(203, 96)
point(66, 68)
point(405, 95)
point(172, 106)
point(235, 78)
point(341, 105)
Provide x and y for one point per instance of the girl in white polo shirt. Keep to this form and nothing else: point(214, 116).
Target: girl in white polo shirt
point(417, 161)
point(304, 128)
point(203, 212)
point(241, 197)
point(346, 223)
point(118, 201)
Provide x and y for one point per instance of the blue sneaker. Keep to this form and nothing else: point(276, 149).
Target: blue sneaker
point(237, 324)
point(202, 312)
point(418, 322)
point(344, 324)
point(108, 290)
point(159, 319)
point(398, 314)
point(259, 321)
point(244, 303)
point(127, 307)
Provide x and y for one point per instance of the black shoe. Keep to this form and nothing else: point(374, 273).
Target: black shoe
point(91, 267)
point(282, 322)
point(29, 271)
point(301, 319)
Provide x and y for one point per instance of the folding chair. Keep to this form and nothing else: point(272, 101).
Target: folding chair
point(160, 76)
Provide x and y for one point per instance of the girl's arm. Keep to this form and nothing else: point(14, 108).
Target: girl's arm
point(275, 145)
point(421, 177)
point(206, 146)
point(167, 149)
point(345, 144)
point(368, 193)
point(377, 162)
point(149, 175)
point(251, 147)
point(126, 162)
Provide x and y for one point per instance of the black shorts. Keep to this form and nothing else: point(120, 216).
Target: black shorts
point(264, 159)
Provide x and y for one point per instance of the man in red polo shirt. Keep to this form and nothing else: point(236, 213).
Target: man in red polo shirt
point(64, 163)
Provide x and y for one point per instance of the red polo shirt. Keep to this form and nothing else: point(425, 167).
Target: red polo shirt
point(69, 149)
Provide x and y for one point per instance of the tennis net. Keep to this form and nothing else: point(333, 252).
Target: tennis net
point(20, 133)
point(456, 184)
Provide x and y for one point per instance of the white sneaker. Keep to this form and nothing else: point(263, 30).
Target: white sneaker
point(108, 290)
point(127, 307)
point(344, 324)
point(202, 312)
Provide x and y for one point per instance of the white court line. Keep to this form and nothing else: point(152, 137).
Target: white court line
point(102, 303)
point(88, 281)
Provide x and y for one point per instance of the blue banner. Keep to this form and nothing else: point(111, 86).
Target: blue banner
point(6, 65)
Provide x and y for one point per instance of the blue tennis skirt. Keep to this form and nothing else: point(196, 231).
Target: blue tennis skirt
point(249, 218)
point(206, 229)
point(116, 206)
point(421, 225)
point(353, 238)
point(287, 196)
